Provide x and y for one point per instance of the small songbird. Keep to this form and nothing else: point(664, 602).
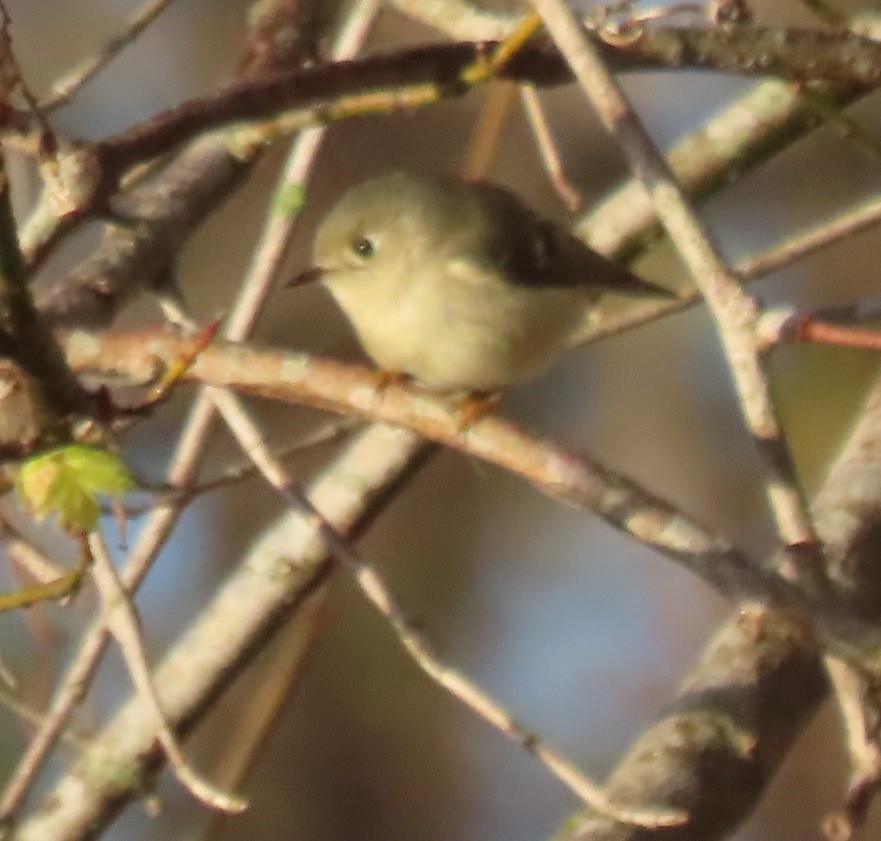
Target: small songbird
point(460, 285)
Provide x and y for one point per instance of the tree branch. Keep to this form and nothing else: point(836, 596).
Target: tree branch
point(25, 338)
point(325, 383)
point(312, 96)
point(761, 679)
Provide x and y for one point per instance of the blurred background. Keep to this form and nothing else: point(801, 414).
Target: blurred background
point(582, 634)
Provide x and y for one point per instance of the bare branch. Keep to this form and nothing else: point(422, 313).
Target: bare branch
point(424, 75)
point(352, 389)
point(786, 324)
point(25, 338)
point(753, 268)
point(452, 680)
point(733, 311)
point(548, 149)
point(849, 222)
point(714, 749)
point(738, 736)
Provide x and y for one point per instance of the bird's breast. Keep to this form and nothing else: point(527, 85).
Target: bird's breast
point(459, 329)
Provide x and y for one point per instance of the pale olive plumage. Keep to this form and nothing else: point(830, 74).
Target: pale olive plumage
point(460, 285)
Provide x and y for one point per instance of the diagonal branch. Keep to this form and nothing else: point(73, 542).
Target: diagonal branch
point(328, 384)
point(733, 311)
point(761, 678)
point(123, 621)
point(785, 253)
point(74, 80)
point(380, 596)
point(424, 75)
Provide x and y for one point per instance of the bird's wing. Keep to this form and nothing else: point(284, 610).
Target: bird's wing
point(543, 253)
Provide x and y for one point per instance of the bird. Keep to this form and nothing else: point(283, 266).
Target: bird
point(460, 285)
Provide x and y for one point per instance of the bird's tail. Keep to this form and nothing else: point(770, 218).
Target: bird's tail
point(608, 316)
point(625, 282)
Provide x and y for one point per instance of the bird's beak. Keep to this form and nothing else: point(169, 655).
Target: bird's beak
point(310, 275)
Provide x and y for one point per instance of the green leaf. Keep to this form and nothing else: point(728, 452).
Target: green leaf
point(66, 482)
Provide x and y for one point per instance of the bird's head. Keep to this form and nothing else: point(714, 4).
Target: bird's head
point(385, 227)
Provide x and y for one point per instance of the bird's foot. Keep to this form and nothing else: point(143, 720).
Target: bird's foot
point(476, 406)
point(382, 379)
point(385, 377)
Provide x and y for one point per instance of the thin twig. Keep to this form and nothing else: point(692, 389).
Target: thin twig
point(852, 692)
point(328, 433)
point(35, 717)
point(787, 324)
point(33, 562)
point(74, 80)
point(754, 268)
point(547, 148)
point(847, 223)
point(476, 699)
point(32, 559)
point(53, 582)
point(121, 618)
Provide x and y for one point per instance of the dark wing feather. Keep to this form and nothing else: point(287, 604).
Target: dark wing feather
point(542, 253)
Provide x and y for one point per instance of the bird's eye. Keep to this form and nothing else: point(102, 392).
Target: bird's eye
point(363, 247)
